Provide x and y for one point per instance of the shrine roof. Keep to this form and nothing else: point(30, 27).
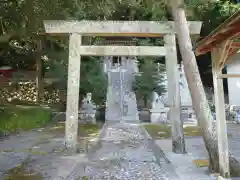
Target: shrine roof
point(228, 30)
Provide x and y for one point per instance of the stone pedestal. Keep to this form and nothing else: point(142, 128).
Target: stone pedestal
point(159, 115)
point(86, 117)
point(188, 115)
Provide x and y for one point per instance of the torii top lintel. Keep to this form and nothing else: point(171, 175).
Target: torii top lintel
point(226, 32)
point(117, 28)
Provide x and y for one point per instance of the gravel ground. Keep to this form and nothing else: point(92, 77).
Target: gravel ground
point(123, 151)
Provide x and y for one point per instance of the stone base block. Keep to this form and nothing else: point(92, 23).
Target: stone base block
point(158, 116)
point(86, 118)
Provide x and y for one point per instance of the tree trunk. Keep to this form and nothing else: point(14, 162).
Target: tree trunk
point(145, 101)
point(200, 102)
point(39, 69)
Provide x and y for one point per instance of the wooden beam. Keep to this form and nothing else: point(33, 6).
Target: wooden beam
point(220, 117)
point(236, 44)
point(236, 35)
point(232, 53)
point(224, 53)
point(229, 76)
point(127, 28)
point(178, 143)
point(122, 51)
point(73, 85)
point(218, 37)
point(124, 34)
point(115, 42)
point(199, 52)
point(229, 33)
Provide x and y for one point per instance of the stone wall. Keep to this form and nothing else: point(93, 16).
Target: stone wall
point(26, 92)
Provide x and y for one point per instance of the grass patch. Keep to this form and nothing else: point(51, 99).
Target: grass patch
point(83, 178)
point(201, 162)
point(21, 173)
point(159, 131)
point(192, 131)
point(17, 119)
point(84, 130)
point(25, 150)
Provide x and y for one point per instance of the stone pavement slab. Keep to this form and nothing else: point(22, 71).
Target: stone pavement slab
point(124, 152)
point(182, 163)
point(195, 147)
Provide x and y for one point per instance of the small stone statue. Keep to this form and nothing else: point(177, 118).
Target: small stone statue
point(89, 97)
point(157, 103)
point(88, 110)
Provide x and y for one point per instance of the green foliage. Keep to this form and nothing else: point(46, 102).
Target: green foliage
point(148, 81)
point(122, 10)
point(93, 79)
point(92, 76)
point(212, 107)
point(26, 16)
point(56, 64)
point(15, 119)
point(212, 13)
point(22, 21)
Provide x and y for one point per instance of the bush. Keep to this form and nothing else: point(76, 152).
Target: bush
point(14, 119)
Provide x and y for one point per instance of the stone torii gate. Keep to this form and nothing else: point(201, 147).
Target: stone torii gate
point(77, 29)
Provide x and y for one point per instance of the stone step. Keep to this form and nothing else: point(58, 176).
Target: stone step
point(114, 107)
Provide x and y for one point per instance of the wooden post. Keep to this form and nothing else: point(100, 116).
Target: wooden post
point(220, 116)
point(74, 62)
point(178, 143)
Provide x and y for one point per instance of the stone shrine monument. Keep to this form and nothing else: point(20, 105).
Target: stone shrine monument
point(158, 111)
point(234, 83)
point(188, 113)
point(88, 110)
point(160, 104)
point(186, 99)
